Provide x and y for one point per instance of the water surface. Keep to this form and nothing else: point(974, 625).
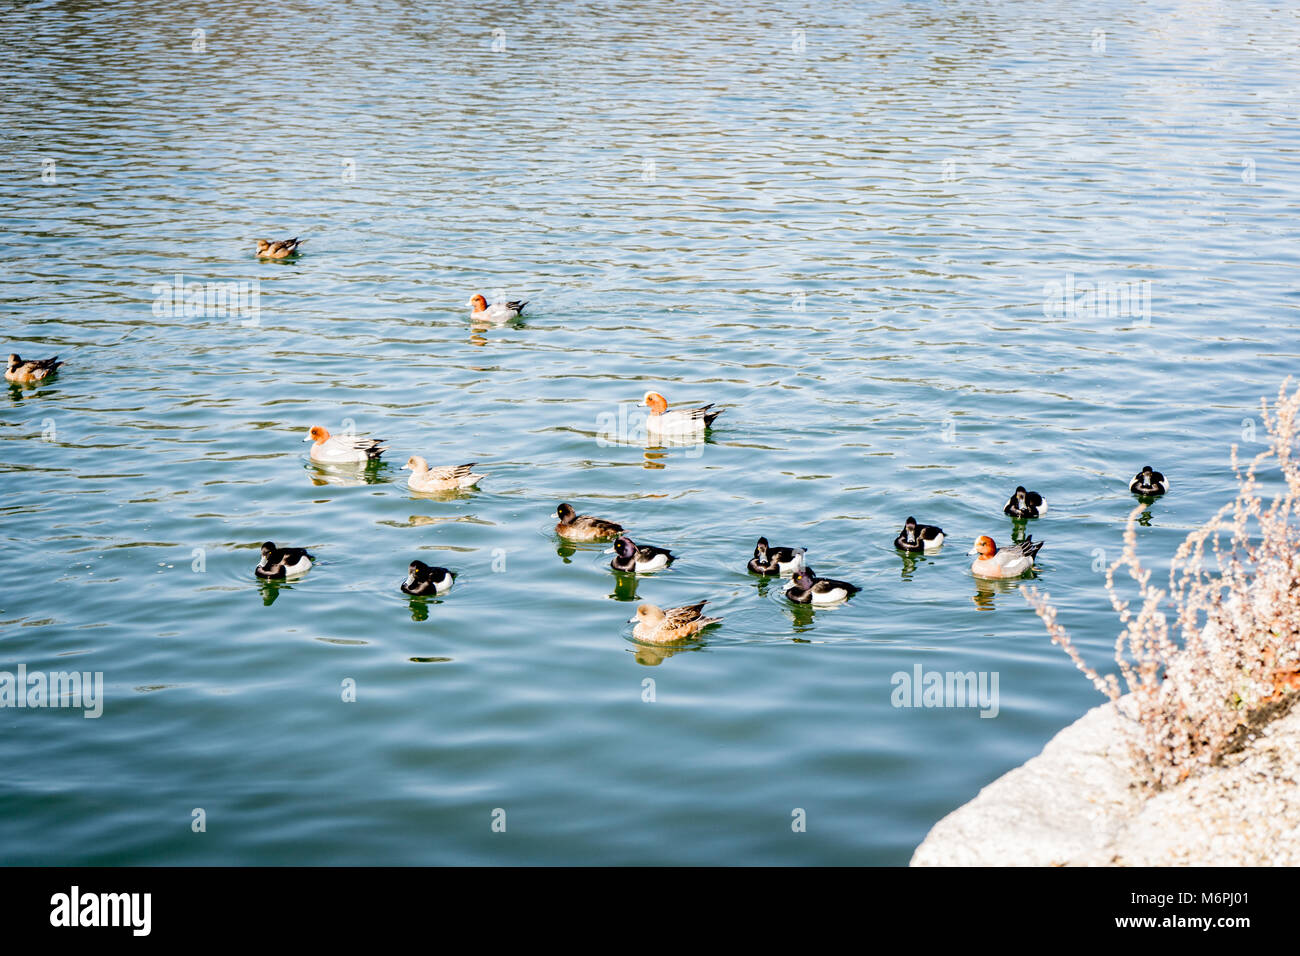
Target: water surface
point(837, 224)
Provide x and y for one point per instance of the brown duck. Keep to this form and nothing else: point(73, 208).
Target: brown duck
point(654, 625)
point(578, 527)
point(282, 249)
point(25, 371)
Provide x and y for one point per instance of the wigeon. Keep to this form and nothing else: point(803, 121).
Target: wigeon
point(918, 537)
point(341, 449)
point(630, 556)
point(772, 560)
point(806, 588)
point(26, 371)
point(1025, 504)
point(423, 478)
point(280, 563)
point(422, 579)
point(1146, 482)
point(654, 625)
point(480, 311)
point(578, 527)
point(280, 249)
point(1009, 562)
point(680, 421)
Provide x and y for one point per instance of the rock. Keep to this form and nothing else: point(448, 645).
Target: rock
point(1078, 803)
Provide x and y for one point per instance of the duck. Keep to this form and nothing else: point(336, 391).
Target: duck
point(578, 527)
point(280, 563)
point(918, 537)
point(480, 311)
point(630, 556)
point(1025, 504)
point(680, 421)
point(1009, 562)
point(807, 588)
point(26, 371)
point(334, 450)
point(422, 579)
point(280, 249)
point(448, 478)
point(770, 560)
point(1145, 482)
point(654, 625)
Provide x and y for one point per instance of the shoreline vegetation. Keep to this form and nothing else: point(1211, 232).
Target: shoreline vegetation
point(1210, 669)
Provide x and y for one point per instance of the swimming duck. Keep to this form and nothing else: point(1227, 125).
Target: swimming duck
point(578, 527)
point(630, 556)
point(918, 537)
point(424, 478)
point(680, 421)
point(341, 449)
point(807, 588)
point(283, 563)
point(480, 311)
point(281, 249)
point(422, 579)
point(1009, 562)
point(657, 626)
point(770, 560)
point(1025, 504)
point(25, 371)
point(1145, 482)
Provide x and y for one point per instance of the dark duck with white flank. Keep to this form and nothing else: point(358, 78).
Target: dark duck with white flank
point(768, 560)
point(423, 579)
point(1025, 504)
point(630, 556)
point(26, 371)
point(578, 527)
point(807, 588)
point(280, 563)
point(918, 537)
point(1148, 482)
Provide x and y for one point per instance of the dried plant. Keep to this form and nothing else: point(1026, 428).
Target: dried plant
point(1236, 661)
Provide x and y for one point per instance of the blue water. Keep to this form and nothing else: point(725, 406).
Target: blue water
point(844, 236)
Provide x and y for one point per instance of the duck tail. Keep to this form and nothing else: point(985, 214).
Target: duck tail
point(710, 416)
point(1031, 547)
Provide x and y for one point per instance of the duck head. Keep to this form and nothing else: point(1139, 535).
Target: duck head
point(263, 245)
point(478, 303)
point(909, 530)
point(268, 548)
point(417, 571)
point(655, 402)
point(804, 579)
point(416, 463)
point(1020, 494)
point(647, 614)
point(625, 547)
point(565, 513)
point(15, 360)
point(317, 434)
point(984, 547)
point(760, 549)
